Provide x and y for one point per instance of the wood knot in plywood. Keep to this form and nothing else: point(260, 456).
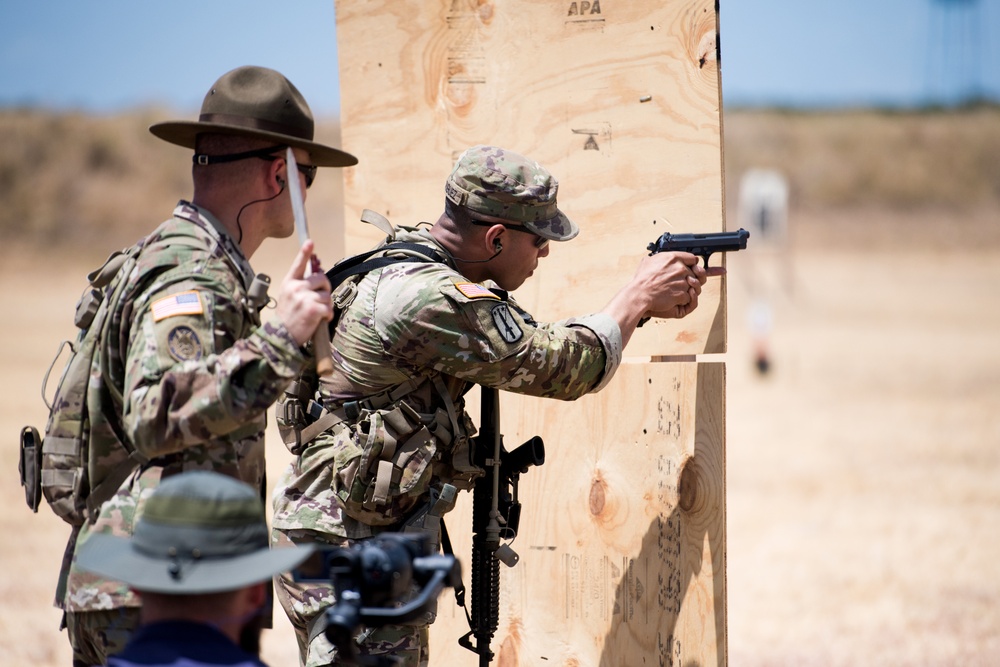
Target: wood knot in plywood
point(707, 51)
point(598, 496)
point(691, 487)
point(486, 11)
point(607, 501)
point(509, 654)
point(701, 39)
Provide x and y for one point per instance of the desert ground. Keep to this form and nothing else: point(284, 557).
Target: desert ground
point(863, 469)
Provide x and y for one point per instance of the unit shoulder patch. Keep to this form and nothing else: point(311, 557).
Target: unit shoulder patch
point(182, 303)
point(505, 323)
point(184, 344)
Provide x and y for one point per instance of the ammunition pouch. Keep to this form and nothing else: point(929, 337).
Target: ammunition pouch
point(427, 520)
point(384, 465)
point(30, 466)
point(295, 412)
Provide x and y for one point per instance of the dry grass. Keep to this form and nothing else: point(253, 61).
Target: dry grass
point(69, 179)
point(905, 161)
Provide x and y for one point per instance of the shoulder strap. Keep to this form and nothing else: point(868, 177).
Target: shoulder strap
point(360, 264)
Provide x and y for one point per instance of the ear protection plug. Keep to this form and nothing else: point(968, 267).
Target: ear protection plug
point(497, 246)
point(280, 181)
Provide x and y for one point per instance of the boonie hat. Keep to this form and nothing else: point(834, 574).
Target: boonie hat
point(496, 182)
point(255, 102)
point(199, 532)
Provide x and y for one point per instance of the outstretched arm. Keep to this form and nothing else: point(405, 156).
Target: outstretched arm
point(665, 285)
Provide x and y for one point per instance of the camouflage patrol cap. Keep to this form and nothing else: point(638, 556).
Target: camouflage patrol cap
point(199, 532)
point(496, 182)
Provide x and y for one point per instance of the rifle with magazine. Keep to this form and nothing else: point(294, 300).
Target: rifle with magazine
point(496, 514)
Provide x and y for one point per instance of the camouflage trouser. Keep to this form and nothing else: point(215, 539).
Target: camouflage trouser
point(304, 602)
point(94, 635)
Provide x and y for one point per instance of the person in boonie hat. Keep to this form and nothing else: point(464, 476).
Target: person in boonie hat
point(199, 559)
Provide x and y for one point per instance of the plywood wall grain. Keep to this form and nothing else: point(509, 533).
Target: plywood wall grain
point(620, 100)
point(622, 542)
point(622, 539)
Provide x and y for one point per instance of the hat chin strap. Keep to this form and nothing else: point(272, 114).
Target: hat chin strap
point(204, 159)
point(176, 567)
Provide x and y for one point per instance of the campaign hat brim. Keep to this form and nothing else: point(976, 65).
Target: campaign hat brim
point(185, 133)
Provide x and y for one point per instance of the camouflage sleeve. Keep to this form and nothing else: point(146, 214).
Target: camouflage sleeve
point(196, 370)
point(430, 317)
point(610, 334)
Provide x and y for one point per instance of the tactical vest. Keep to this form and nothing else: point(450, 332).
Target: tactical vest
point(391, 451)
point(85, 457)
point(58, 466)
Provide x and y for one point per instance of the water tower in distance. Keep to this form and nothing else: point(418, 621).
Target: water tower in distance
point(955, 36)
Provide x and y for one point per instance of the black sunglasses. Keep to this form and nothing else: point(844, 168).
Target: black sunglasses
point(540, 241)
point(308, 170)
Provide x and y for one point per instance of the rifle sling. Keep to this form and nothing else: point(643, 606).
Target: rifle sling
point(448, 551)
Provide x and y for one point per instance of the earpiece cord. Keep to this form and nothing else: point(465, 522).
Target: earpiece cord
point(239, 225)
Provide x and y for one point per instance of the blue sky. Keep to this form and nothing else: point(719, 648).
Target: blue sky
point(110, 55)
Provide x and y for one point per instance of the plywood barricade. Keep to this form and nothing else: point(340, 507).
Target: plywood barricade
point(621, 102)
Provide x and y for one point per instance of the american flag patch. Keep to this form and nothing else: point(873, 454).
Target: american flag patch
point(182, 303)
point(474, 291)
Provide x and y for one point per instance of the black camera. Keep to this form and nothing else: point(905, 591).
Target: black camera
point(393, 578)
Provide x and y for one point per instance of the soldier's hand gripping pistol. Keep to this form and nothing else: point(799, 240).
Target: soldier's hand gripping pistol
point(702, 245)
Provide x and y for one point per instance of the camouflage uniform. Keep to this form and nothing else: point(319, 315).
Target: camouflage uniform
point(197, 371)
point(424, 331)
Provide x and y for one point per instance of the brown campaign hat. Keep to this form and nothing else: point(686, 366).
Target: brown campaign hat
point(256, 102)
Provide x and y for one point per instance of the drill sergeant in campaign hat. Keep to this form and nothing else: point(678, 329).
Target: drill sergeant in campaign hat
point(410, 339)
point(188, 368)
